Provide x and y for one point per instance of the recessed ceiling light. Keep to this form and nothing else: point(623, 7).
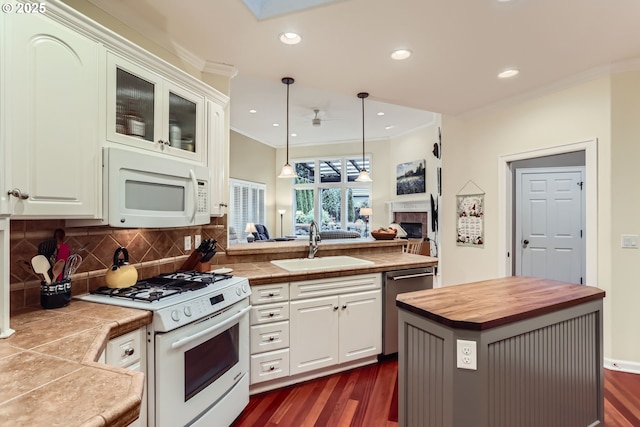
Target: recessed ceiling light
point(252, 111)
point(388, 127)
point(294, 134)
point(400, 54)
point(275, 125)
point(508, 73)
point(290, 38)
point(381, 113)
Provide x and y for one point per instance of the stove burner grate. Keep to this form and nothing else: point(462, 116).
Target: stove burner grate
point(163, 286)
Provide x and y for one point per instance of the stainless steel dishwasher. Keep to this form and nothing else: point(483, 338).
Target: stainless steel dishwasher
point(394, 283)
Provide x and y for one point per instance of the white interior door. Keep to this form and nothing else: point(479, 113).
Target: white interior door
point(550, 223)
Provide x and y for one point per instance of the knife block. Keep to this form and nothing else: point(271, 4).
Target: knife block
point(203, 267)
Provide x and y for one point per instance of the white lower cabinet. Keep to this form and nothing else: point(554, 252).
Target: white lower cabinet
point(310, 328)
point(327, 331)
point(129, 351)
point(269, 343)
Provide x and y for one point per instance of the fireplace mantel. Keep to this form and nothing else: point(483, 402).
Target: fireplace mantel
point(421, 205)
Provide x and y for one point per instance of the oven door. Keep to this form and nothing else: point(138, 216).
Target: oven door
point(201, 367)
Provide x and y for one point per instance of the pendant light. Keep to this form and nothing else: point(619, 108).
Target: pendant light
point(287, 171)
point(363, 176)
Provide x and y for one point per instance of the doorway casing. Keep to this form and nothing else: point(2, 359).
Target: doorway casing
point(505, 203)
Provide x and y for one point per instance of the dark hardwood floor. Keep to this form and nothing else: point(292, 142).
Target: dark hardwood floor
point(368, 397)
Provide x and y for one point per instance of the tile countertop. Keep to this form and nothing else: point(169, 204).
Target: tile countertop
point(260, 273)
point(48, 370)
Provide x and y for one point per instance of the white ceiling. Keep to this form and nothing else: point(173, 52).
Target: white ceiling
point(459, 46)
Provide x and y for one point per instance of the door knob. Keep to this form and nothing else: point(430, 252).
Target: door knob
point(525, 242)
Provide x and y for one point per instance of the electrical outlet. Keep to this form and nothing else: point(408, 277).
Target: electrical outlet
point(467, 355)
point(187, 243)
point(197, 240)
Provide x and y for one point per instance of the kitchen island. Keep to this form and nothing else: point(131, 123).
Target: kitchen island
point(515, 351)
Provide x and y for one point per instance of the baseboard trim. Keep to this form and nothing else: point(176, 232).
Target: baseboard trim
point(622, 365)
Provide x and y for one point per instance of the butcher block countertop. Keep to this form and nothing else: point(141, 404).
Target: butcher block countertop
point(48, 370)
point(491, 303)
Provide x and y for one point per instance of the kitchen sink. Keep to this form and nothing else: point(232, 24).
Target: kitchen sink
point(320, 263)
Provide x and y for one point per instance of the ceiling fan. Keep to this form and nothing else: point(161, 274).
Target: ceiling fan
point(316, 121)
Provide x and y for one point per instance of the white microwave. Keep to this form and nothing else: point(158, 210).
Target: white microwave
point(149, 191)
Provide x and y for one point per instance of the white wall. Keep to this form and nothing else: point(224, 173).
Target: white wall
point(416, 145)
point(625, 207)
point(251, 160)
point(471, 148)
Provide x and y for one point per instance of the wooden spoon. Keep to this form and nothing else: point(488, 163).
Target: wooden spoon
point(57, 269)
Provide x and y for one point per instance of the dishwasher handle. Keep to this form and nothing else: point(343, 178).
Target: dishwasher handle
point(411, 276)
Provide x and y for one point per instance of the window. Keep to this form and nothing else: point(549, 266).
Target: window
point(247, 204)
point(326, 191)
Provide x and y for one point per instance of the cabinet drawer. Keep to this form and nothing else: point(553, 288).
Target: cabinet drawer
point(269, 366)
point(263, 294)
point(271, 336)
point(335, 286)
point(268, 313)
point(125, 350)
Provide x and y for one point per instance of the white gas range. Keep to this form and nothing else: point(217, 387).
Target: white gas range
point(197, 345)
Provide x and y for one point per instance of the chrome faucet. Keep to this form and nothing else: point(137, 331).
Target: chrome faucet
point(314, 238)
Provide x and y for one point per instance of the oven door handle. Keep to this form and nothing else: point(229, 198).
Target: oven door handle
point(212, 330)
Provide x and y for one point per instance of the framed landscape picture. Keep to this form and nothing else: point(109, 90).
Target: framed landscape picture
point(410, 177)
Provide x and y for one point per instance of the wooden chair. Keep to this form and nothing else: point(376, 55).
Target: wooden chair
point(418, 247)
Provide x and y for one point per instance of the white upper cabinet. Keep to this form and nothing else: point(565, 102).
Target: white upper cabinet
point(218, 158)
point(147, 111)
point(69, 87)
point(50, 117)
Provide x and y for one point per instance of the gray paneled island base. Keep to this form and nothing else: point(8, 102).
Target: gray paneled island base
point(536, 344)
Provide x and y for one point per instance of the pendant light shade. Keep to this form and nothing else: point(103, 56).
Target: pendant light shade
point(363, 176)
point(287, 171)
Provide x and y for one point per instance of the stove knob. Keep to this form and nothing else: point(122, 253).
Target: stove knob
point(245, 289)
point(175, 315)
point(238, 291)
point(187, 311)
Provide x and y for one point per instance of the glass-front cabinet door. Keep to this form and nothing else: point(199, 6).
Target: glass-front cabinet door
point(147, 111)
point(184, 120)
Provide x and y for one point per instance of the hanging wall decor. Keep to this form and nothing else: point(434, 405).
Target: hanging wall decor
point(470, 217)
point(410, 177)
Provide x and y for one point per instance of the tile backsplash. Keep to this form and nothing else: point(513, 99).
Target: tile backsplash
point(152, 251)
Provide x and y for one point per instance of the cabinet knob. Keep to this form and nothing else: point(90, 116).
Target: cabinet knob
point(129, 352)
point(335, 308)
point(163, 142)
point(19, 194)
point(344, 307)
point(271, 338)
point(271, 294)
point(271, 314)
point(272, 368)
